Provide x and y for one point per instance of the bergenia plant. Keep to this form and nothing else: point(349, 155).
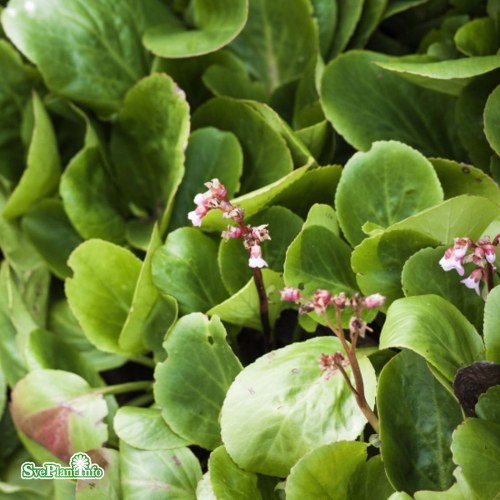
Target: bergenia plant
point(332, 363)
point(481, 254)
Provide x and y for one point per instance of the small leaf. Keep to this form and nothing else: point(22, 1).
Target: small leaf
point(301, 409)
point(492, 120)
point(43, 168)
point(101, 291)
point(197, 352)
point(477, 37)
point(488, 406)
point(228, 480)
point(145, 429)
point(154, 474)
point(216, 24)
point(58, 410)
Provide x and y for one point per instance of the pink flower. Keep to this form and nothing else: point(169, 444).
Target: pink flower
point(290, 294)
point(451, 261)
point(473, 280)
point(321, 300)
point(460, 246)
point(260, 233)
point(232, 232)
point(330, 363)
point(216, 188)
point(489, 252)
point(197, 215)
point(373, 301)
point(340, 300)
point(256, 259)
point(358, 326)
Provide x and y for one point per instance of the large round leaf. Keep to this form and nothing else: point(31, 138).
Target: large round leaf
point(192, 383)
point(217, 23)
point(393, 180)
point(354, 94)
point(267, 427)
point(92, 62)
point(435, 329)
point(476, 448)
point(101, 290)
point(417, 417)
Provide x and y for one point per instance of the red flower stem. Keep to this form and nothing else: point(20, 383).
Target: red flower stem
point(359, 389)
point(264, 309)
point(488, 271)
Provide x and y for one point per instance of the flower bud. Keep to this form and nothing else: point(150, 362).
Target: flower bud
point(290, 295)
point(374, 301)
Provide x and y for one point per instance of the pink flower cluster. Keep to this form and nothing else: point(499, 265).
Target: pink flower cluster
point(481, 254)
point(331, 363)
point(216, 198)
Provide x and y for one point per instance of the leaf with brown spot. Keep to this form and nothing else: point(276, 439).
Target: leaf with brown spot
point(58, 410)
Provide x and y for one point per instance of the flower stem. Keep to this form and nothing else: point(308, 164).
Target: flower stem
point(489, 277)
point(269, 339)
point(358, 389)
point(143, 385)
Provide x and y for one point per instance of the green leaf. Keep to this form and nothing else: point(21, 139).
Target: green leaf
point(283, 227)
point(145, 429)
point(417, 417)
point(90, 198)
point(492, 325)
point(477, 37)
point(380, 261)
point(457, 179)
point(243, 307)
point(3, 391)
point(150, 315)
point(391, 194)
point(148, 142)
point(52, 234)
point(435, 329)
point(476, 449)
point(192, 383)
point(93, 66)
point(423, 275)
point(211, 153)
point(154, 474)
point(274, 46)
point(101, 290)
point(327, 472)
point(185, 267)
point(250, 128)
point(347, 19)
point(469, 117)
point(224, 81)
point(43, 169)
point(488, 405)
point(467, 67)
point(299, 411)
point(58, 410)
point(15, 90)
point(318, 258)
point(108, 487)
point(492, 119)
point(371, 481)
point(228, 480)
point(353, 91)
point(371, 16)
point(396, 6)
